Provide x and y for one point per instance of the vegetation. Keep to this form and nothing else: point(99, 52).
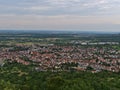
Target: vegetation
point(14, 76)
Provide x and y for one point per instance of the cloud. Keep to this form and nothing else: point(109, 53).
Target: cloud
point(60, 7)
point(60, 14)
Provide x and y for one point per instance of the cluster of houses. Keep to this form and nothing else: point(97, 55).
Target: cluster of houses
point(53, 57)
point(93, 43)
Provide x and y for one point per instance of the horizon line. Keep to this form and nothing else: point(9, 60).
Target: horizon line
point(82, 31)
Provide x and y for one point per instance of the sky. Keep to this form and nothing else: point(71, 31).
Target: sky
point(81, 15)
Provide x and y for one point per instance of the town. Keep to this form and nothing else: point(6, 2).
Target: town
point(59, 61)
point(64, 58)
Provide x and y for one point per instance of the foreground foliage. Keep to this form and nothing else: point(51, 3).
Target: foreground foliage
point(14, 76)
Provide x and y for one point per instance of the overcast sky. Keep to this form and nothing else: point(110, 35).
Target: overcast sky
point(84, 15)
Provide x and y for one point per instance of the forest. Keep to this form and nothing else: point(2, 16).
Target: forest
point(14, 76)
